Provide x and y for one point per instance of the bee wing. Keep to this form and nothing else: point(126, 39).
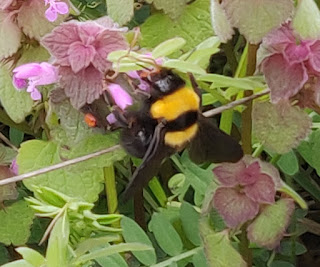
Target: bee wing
point(151, 162)
point(213, 145)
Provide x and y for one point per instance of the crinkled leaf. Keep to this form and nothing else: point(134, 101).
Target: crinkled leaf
point(31, 18)
point(268, 228)
point(193, 26)
point(10, 35)
point(234, 207)
point(132, 232)
point(220, 22)
point(8, 191)
point(173, 9)
point(218, 248)
point(67, 124)
point(288, 163)
point(34, 54)
point(190, 222)
point(7, 154)
point(168, 47)
point(310, 150)
point(121, 11)
point(32, 256)
point(17, 104)
point(227, 173)
point(15, 223)
point(74, 181)
point(57, 250)
point(255, 18)
point(165, 234)
point(307, 20)
point(280, 127)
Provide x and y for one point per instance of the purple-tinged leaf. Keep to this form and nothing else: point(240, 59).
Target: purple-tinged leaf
point(234, 207)
point(268, 228)
point(227, 173)
point(314, 59)
point(293, 77)
point(250, 174)
point(263, 190)
point(9, 191)
point(255, 18)
point(280, 127)
point(5, 4)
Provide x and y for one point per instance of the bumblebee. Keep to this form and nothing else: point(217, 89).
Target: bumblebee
point(168, 121)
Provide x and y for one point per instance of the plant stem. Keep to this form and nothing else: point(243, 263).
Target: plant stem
point(246, 114)
point(111, 190)
point(244, 246)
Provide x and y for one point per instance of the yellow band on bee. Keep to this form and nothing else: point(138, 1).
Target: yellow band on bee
point(173, 105)
point(180, 138)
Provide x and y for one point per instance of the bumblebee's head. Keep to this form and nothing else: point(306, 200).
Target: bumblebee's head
point(165, 81)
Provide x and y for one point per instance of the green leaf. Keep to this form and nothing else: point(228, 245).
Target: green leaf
point(308, 184)
point(165, 234)
point(7, 155)
point(16, 136)
point(121, 11)
point(262, 16)
point(18, 104)
point(74, 181)
point(193, 26)
point(9, 191)
point(67, 125)
point(281, 264)
point(167, 47)
point(114, 249)
point(183, 66)
point(4, 255)
point(57, 250)
point(218, 248)
point(132, 232)
point(114, 260)
point(307, 20)
point(288, 163)
point(32, 256)
point(291, 248)
point(280, 127)
point(224, 81)
point(18, 263)
point(268, 228)
point(15, 223)
point(190, 222)
point(310, 150)
point(173, 9)
point(199, 259)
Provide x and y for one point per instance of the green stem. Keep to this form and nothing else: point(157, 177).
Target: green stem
point(111, 190)
point(258, 151)
point(244, 246)
point(247, 113)
point(158, 191)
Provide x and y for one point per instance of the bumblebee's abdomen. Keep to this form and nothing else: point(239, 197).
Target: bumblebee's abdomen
point(173, 105)
point(178, 139)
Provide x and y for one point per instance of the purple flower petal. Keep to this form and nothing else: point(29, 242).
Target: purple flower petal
point(120, 96)
point(35, 94)
point(51, 14)
point(14, 167)
point(283, 79)
point(19, 84)
point(262, 191)
point(26, 71)
point(111, 118)
point(250, 174)
point(62, 8)
point(234, 207)
point(227, 173)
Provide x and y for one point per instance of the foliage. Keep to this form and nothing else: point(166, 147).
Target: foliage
point(69, 68)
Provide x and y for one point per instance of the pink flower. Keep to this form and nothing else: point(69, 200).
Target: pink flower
point(244, 186)
point(30, 75)
point(54, 9)
point(289, 63)
point(80, 49)
point(119, 95)
point(14, 167)
point(142, 85)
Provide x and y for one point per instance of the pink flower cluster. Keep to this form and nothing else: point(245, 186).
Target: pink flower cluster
point(291, 66)
point(55, 8)
point(245, 185)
